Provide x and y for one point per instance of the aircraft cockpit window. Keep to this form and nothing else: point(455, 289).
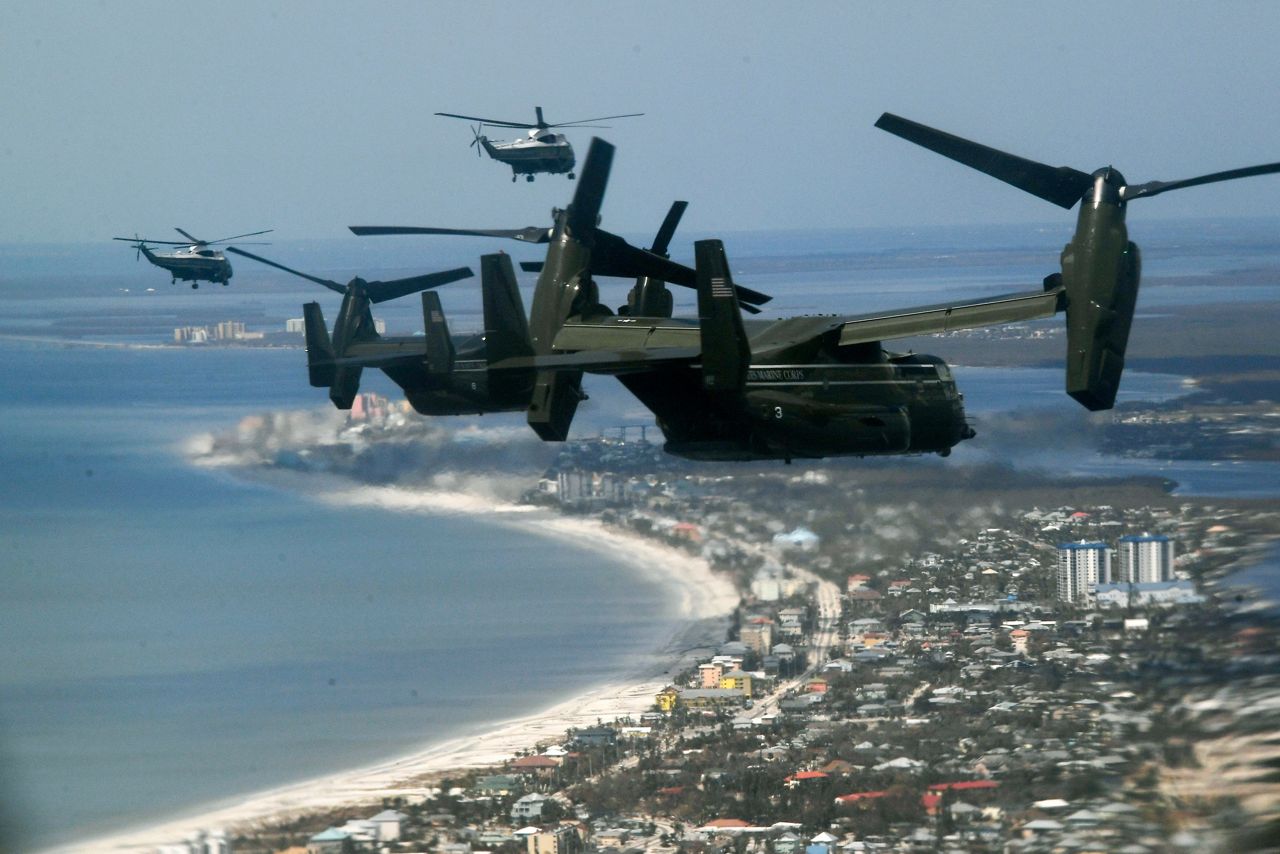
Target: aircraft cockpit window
point(547, 138)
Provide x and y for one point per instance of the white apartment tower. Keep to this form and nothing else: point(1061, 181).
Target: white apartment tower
point(1144, 560)
point(1081, 566)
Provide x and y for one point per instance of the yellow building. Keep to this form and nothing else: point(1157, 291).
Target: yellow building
point(737, 680)
point(667, 699)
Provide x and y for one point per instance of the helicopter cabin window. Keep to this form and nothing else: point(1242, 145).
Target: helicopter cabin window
point(547, 138)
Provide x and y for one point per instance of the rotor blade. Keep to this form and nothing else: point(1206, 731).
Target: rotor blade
point(494, 122)
point(331, 285)
point(145, 240)
point(531, 234)
point(581, 122)
point(235, 237)
point(188, 236)
point(584, 211)
point(1154, 188)
point(668, 228)
point(613, 256)
point(383, 291)
point(1061, 185)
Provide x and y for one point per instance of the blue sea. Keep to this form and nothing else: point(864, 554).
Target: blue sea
point(174, 636)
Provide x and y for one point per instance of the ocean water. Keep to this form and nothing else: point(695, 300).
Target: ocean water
point(174, 636)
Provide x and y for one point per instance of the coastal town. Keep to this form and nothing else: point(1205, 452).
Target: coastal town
point(923, 658)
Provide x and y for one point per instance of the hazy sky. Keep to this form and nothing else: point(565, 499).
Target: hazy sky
point(308, 116)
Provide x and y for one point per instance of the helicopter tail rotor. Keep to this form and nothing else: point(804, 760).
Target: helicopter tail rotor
point(477, 139)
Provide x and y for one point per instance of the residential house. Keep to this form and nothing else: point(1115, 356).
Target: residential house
point(528, 808)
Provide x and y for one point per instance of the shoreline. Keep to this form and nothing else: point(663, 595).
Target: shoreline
point(703, 602)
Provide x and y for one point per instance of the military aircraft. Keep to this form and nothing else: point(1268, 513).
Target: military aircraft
point(439, 373)
point(541, 151)
point(195, 262)
point(722, 388)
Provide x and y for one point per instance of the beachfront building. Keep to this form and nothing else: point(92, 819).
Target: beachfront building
point(757, 634)
point(561, 839)
point(528, 808)
point(389, 823)
point(1081, 566)
point(1144, 560)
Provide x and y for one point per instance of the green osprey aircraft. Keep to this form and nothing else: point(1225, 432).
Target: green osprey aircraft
point(722, 388)
point(440, 374)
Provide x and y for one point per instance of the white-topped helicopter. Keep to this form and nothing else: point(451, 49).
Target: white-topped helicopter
point(195, 262)
point(540, 151)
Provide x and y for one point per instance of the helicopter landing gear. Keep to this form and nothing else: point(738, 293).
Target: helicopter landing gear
point(529, 178)
point(570, 176)
point(195, 285)
point(513, 178)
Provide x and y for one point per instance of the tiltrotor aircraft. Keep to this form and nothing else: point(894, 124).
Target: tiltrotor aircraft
point(722, 388)
point(195, 262)
point(439, 373)
point(541, 151)
point(443, 374)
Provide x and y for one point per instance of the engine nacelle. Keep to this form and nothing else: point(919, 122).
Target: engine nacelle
point(1100, 271)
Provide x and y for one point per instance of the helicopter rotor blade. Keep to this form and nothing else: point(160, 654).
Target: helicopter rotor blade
point(583, 122)
point(237, 236)
point(1061, 185)
point(475, 139)
point(668, 228)
point(1155, 188)
point(383, 291)
point(328, 283)
point(492, 122)
point(197, 241)
point(532, 234)
point(158, 242)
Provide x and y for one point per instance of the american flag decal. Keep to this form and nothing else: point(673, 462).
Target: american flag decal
point(721, 287)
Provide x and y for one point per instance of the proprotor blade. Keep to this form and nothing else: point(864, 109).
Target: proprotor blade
point(328, 283)
point(383, 291)
point(1155, 188)
point(584, 211)
point(613, 256)
point(668, 228)
point(531, 234)
point(1061, 185)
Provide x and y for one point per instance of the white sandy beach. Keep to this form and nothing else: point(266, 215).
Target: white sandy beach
point(704, 601)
